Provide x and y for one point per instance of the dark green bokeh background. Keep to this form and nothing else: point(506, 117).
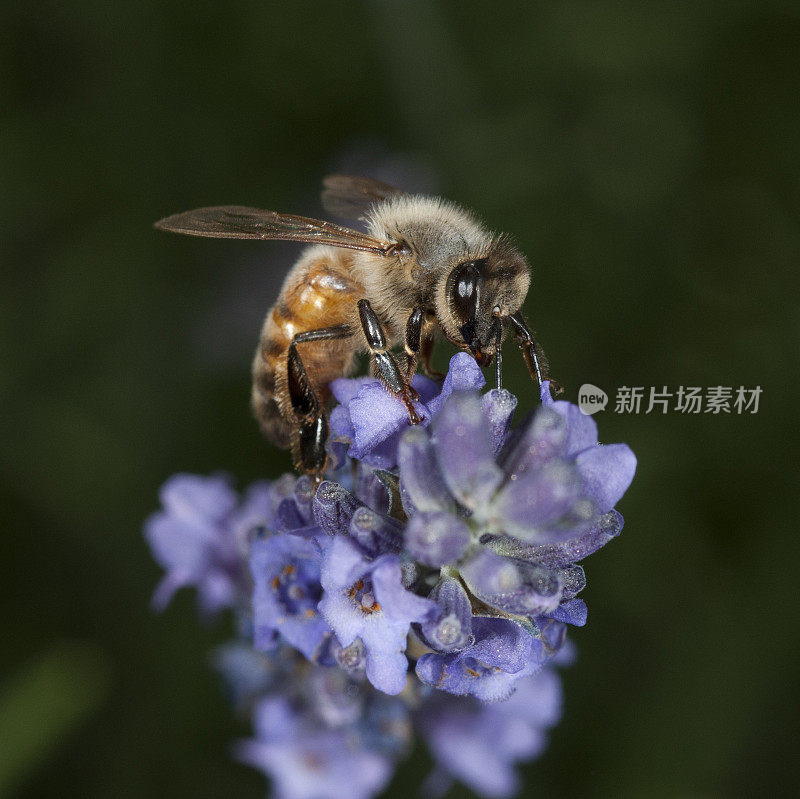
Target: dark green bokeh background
point(647, 158)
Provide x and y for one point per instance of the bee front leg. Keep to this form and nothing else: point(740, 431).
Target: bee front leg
point(533, 354)
point(312, 433)
point(426, 350)
point(498, 356)
point(413, 340)
point(386, 367)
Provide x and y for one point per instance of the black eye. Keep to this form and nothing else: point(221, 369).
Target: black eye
point(465, 289)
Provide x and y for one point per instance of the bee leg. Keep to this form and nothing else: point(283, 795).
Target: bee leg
point(309, 445)
point(412, 341)
point(426, 356)
point(498, 358)
point(386, 367)
point(419, 344)
point(533, 354)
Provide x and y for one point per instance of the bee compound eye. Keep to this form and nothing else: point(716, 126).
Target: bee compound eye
point(464, 295)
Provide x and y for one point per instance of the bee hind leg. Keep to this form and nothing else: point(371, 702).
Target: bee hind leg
point(309, 441)
point(386, 367)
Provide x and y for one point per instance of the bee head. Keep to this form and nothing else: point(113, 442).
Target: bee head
point(477, 294)
point(470, 276)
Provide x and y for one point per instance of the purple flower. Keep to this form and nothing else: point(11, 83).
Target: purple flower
point(286, 574)
point(550, 483)
point(572, 611)
point(436, 538)
point(450, 630)
point(293, 506)
point(308, 761)
point(337, 511)
point(200, 537)
point(366, 599)
point(452, 545)
point(372, 420)
point(501, 654)
point(512, 585)
point(480, 744)
point(598, 534)
point(511, 512)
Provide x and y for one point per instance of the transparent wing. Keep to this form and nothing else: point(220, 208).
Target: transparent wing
point(349, 197)
point(239, 222)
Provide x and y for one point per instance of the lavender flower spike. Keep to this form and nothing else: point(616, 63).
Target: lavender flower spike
point(428, 589)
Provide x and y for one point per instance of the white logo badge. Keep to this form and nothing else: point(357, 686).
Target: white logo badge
point(591, 399)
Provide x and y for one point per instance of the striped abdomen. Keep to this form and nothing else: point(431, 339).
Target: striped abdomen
point(318, 292)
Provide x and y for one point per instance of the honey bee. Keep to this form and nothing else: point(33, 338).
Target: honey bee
point(425, 268)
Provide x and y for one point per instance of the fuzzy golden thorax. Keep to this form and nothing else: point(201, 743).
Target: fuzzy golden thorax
point(438, 238)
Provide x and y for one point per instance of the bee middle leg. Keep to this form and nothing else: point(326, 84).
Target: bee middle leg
point(386, 367)
point(309, 444)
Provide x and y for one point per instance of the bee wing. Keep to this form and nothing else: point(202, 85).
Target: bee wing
point(239, 222)
point(349, 197)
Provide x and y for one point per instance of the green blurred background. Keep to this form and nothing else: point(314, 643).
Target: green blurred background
point(647, 158)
